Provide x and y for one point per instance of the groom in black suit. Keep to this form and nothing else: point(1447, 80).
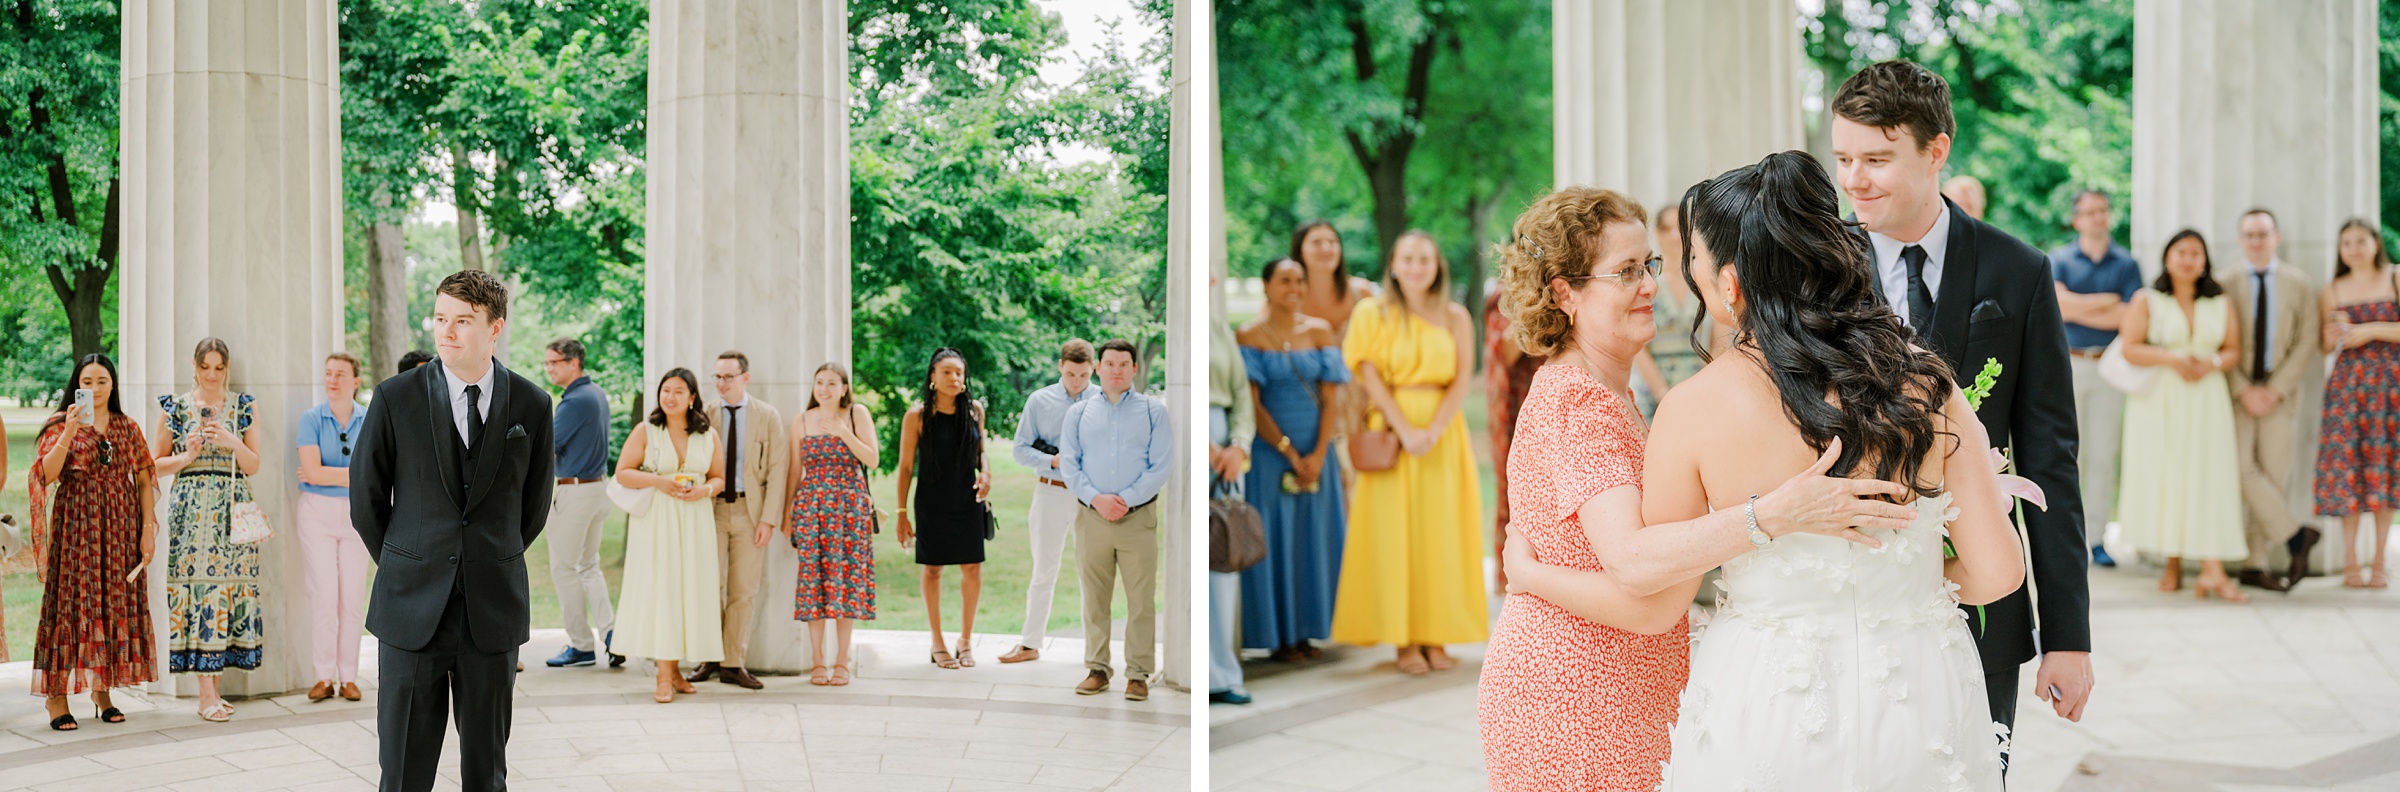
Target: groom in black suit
point(450, 483)
point(1973, 293)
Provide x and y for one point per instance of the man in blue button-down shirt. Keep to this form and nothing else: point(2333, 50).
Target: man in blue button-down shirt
point(1114, 451)
point(1053, 511)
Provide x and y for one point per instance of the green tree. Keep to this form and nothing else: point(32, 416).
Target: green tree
point(2040, 93)
point(59, 205)
point(2387, 115)
point(967, 230)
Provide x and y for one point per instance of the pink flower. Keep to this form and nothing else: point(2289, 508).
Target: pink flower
point(2017, 486)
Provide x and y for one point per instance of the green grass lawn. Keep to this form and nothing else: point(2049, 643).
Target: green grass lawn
point(899, 603)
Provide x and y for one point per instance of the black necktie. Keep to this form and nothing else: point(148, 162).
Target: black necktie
point(733, 452)
point(2258, 327)
point(1920, 299)
point(474, 419)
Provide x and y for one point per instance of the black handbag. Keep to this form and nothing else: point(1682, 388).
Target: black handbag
point(991, 522)
point(1237, 536)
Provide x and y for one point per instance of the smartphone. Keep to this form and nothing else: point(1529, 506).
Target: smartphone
point(83, 399)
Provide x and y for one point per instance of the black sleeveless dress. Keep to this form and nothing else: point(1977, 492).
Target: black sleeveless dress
point(948, 521)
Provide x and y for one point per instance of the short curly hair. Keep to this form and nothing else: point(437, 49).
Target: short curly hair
point(1556, 237)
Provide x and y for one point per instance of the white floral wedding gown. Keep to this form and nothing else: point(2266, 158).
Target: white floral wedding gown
point(1834, 666)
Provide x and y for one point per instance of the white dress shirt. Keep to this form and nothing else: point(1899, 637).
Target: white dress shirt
point(1894, 274)
point(458, 398)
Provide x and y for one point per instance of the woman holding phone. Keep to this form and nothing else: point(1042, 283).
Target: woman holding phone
point(95, 628)
point(206, 440)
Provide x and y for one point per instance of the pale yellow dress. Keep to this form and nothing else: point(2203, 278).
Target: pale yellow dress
point(2181, 488)
point(1412, 567)
point(668, 608)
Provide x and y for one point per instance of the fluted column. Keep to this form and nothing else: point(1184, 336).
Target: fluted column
point(1185, 222)
point(748, 219)
point(2250, 103)
point(230, 152)
point(1652, 96)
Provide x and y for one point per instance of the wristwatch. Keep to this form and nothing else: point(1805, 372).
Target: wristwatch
point(1758, 538)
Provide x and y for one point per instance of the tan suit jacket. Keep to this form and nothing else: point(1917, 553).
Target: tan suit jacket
point(766, 458)
point(2294, 329)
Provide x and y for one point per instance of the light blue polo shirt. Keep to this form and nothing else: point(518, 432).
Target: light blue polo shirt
point(319, 428)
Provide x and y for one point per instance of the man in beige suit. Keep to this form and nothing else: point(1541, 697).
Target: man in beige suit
point(2277, 303)
point(749, 512)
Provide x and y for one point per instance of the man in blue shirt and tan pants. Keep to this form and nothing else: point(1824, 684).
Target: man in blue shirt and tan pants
point(1114, 452)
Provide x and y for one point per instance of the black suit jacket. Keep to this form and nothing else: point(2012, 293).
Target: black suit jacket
point(432, 524)
point(1997, 302)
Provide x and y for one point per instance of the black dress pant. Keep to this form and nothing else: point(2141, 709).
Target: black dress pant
point(2001, 686)
point(418, 691)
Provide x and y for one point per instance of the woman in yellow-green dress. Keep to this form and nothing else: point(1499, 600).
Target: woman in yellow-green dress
point(1412, 567)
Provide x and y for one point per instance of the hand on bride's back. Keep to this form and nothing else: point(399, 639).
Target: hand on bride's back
point(1812, 502)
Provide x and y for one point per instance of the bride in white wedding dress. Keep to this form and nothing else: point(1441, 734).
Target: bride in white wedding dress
point(1830, 664)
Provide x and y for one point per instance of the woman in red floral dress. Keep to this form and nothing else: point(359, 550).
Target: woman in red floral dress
point(2358, 446)
point(1585, 669)
point(95, 627)
point(832, 518)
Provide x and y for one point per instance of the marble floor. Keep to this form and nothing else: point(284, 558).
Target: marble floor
point(903, 726)
point(2297, 692)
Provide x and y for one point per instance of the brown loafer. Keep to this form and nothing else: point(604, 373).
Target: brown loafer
point(2301, 544)
point(2258, 579)
point(1137, 690)
point(1021, 654)
point(735, 676)
point(1093, 684)
point(322, 691)
point(702, 673)
point(350, 691)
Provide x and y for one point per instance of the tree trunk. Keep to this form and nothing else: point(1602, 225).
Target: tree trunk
point(1384, 158)
point(1479, 217)
point(387, 301)
point(470, 213)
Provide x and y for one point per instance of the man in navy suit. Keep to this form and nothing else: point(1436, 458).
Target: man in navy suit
point(450, 484)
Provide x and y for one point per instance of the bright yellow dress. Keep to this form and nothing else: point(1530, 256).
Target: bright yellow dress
point(1412, 567)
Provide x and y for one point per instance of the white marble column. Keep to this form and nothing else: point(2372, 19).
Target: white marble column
point(1185, 363)
point(230, 149)
point(2250, 103)
point(1651, 96)
point(748, 220)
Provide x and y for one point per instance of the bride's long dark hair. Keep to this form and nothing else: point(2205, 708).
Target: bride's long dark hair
point(1813, 319)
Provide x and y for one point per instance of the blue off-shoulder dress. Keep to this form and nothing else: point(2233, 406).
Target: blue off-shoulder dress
point(1287, 598)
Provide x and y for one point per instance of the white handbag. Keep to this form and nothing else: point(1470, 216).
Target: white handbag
point(2122, 374)
point(635, 502)
point(10, 540)
point(250, 524)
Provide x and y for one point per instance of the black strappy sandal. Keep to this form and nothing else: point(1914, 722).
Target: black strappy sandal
point(112, 715)
point(64, 723)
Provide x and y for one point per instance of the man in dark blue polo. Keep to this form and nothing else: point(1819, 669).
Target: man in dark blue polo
point(2095, 277)
point(579, 506)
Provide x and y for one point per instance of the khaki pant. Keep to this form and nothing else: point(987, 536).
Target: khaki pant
point(740, 564)
point(2265, 445)
point(1106, 548)
point(2099, 429)
point(578, 513)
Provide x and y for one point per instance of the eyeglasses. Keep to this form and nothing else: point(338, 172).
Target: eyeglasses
point(728, 377)
point(1628, 275)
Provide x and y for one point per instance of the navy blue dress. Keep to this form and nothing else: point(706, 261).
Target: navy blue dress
point(1287, 597)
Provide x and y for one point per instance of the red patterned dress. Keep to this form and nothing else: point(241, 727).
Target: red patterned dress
point(1566, 704)
point(2358, 446)
point(833, 527)
point(95, 627)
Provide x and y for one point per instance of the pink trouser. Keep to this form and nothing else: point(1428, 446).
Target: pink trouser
point(336, 570)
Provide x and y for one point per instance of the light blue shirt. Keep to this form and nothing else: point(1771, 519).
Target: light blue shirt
point(1120, 449)
point(319, 428)
point(1045, 410)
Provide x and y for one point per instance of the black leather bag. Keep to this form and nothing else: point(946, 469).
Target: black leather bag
point(1237, 536)
point(991, 522)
